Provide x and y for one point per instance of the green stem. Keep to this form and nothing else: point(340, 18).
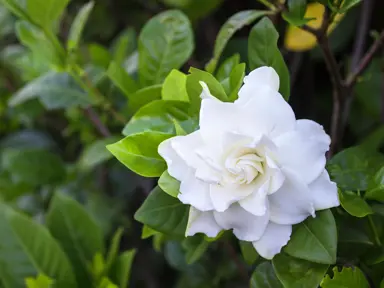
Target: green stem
point(374, 230)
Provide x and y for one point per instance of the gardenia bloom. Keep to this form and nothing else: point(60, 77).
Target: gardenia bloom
point(251, 167)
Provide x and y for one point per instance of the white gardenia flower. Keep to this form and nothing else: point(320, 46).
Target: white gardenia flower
point(251, 167)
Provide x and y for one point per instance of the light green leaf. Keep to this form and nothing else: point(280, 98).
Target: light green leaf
point(175, 87)
point(315, 239)
point(100, 56)
point(113, 249)
point(45, 13)
point(164, 213)
point(148, 232)
point(195, 247)
point(264, 277)
point(77, 233)
point(263, 51)
point(27, 249)
point(169, 184)
point(106, 283)
point(78, 25)
point(236, 80)
point(41, 281)
point(249, 252)
point(55, 90)
point(143, 97)
point(227, 66)
point(295, 13)
point(165, 43)
point(139, 153)
point(376, 187)
point(354, 204)
point(348, 4)
point(297, 273)
point(122, 80)
point(160, 116)
point(233, 24)
point(346, 278)
point(121, 270)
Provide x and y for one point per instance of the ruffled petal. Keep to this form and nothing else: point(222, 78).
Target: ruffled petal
point(202, 222)
point(185, 147)
point(324, 192)
point(223, 196)
point(292, 203)
point(263, 76)
point(246, 226)
point(256, 203)
point(177, 167)
point(274, 238)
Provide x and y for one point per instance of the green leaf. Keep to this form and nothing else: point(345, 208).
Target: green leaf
point(78, 25)
point(195, 247)
point(233, 24)
point(346, 278)
point(106, 283)
point(236, 80)
point(99, 55)
point(124, 45)
point(175, 87)
point(160, 116)
point(169, 184)
point(122, 80)
point(249, 252)
point(144, 96)
point(121, 271)
point(165, 43)
point(113, 249)
point(48, 168)
point(297, 273)
point(55, 90)
point(354, 204)
point(376, 187)
point(263, 51)
point(353, 168)
point(163, 213)
point(264, 277)
point(148, 232)
point(27, 249)
point(227, 66)
point(41, 281)
point(77, 232)
point(348, 4)
point(315, 239)
point(45, 13)
point(295, 13)
point(139, 153)
point(27, 139)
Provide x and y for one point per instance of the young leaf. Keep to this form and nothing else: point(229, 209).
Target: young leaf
point(122, 80)
point(295, 14)
point(169, 184)
point(376, 187)
point(354, 204)
point(347, 277)
point(227, 66)
point(164, 213)
point(41, 281)
point(77, 233)
point(236, 80)
point(233, 24)
point(263, 51)
point(78, 25)
point(148, 232)
point(27, 248)
point(297, 273)
point(121, 270)
point(139, 153)
point(264, 277)
point(165, 43)
point(143, 97)
point(248, 251)
point(195, 247)
point(174, 87)
point(315, 239)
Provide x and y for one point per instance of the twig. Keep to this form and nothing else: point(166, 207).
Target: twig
point(96, 121)
point(240, 265)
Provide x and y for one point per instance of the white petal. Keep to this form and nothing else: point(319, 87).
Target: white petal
point(223, 196)
point(205, 93)
point(245, 226)
point(292, 203)
point(202, 222)
point(324, 192)
point(313, 130)
point(185, 147)
point(263, 76)
point(274, 238)
point(256, 203)
point(176, 166)
point(276, 176)
point(195, 192)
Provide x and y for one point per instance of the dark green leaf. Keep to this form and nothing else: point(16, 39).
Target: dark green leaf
point(315, 239)
point(78, 25)
point(297, 273)
point(348, 4)
point(169, 184)
point(45, 13)
point(376, 187)
point(227, 66)
point(139, 153)
point(124, 45)
point(27, 139)
point(233, 24)
point(122, 80)
point(249, 252)
point(346, 278)
point(165, 43)
point(195, 247)
point(175, 87)
point(144, 96)
point(113, 249)
point(263, 51)
point(295, 13)
point(264, 277)
point(121, 271)
point(354, 204)
point(164, 213)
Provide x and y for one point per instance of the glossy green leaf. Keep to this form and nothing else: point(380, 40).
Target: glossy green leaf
point(164, 213)
point(249, 252)
point(122, 80)
point(354, 204)
point(263, 51)
point(227, 66)
point(236, 80)
point(376, 187)
point(169, 184)
point(195, 248)
point(78, 234)
point(27, 249)
point(78, 25)
point(165, 43)
point(295, 13)
point(121, 270)
point(143, 97)
point(297, 273)
point(175, 87)
point(139, 153)
point(160, 116)
point(264, 277)
point(346, 278)
point(233, 24)
point(315, 239)
point(55, 90)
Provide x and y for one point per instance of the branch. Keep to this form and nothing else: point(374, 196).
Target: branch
point(96, 121)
